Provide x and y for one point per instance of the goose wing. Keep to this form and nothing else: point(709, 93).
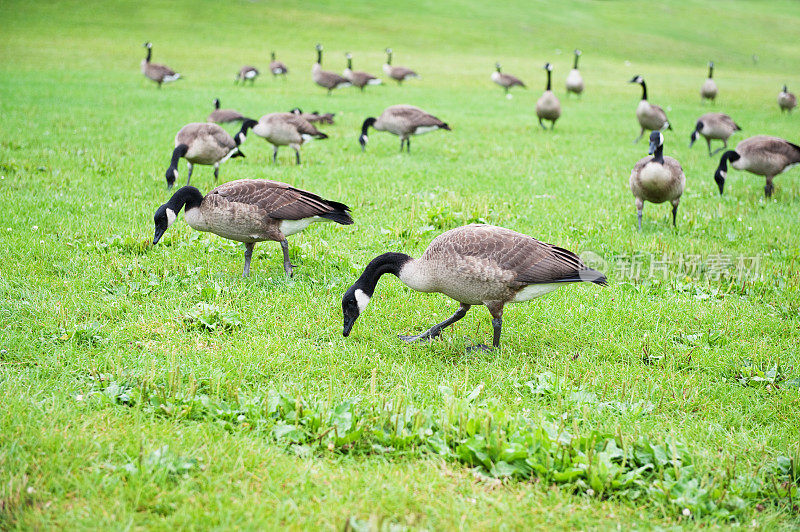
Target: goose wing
point(512, 81)
point(414, 116)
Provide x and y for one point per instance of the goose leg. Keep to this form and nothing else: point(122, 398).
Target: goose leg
point(275, 154)
point(637, 139)
point(190, 166)
point(639, 208)
point(408, 145)
point(552, 125)
point(436, 330)
point(216, 172)
point(542, 124)
point(708, 141)
point(297, 155)
point(675, 213)
point(248, 254)
point(768, 188)
point(402, 142)
point(724, 146)
point(288, 267)
point(496, 310)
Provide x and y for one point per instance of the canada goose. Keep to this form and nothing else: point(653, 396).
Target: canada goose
point(324, 78)
point(760, 155)
point(505, 80)
point(574, 78)
point(657, 179)
point(397, 73)
point(786, 100)
point(250, 211)
point(222, 116)
point(314, 116)
point(403, 121)
point(286, 129)
point(475, 265)
point(203, 143)
point(717, 126)
point(651, 117)
point(277, 67)
point(709, 89)
point(155, 71)
point(359, 79)
point(246, 73)
point(547, 106)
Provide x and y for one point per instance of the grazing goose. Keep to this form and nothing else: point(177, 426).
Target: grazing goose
point(403, 121)
point(203, 143)
point(222, 116)
point(786, 100)
point(397, 73)
point(157, 72)
point(760, 155)
point(359, 79)
point(709, 89)
point(651, 117)
point(505, 80)
point(475, 265)
point(324, 78)
point(250, 211)
point(717, 126)
point(547, 106)
point(246, 73)
point(286, 129)
point(657, 179)
point(574, 78)
point(314, 117)
point(277, 67)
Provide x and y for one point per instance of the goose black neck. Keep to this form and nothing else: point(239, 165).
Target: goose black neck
point(188, 197)
point(248, 124)
point(382, 264)
point(644, 90)
point(728, 156)
point(658, 155)
point(216, 103)
point(319, 57)
point(388, 58)
point(349, 63)
point(149, 54)
point(498, 69)
point(272, 56)
point(710, 71)
point(179, 151)
point(366, 125)
point(575, 66)
point(548, 79)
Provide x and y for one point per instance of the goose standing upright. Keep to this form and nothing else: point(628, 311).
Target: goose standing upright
point(474, 265)
point(574, 78)
point(397, 73)
point(547, 106)
point(155, 71)
point(505, 80)
point(403, 121)
point(657, 179)
point(250, 211)
point(717, 126)
point(760, 155)
point(324, 78)
point(277, 67)
point(246, 73)
point(286, 129)
point(358, 78)
point(651, 117)
point(222, 116)
point(207, 144)
point(786, 100)
point(709, 89)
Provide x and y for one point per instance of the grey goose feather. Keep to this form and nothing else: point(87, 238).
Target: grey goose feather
point(358, 78)
point(709, 89)
point(223, 116)
point(714, 126)
point(286, 129)
point(651, 117)
point(760, 155)
point(397, 73)
point(250, 211)
point(574, 79)
point(505, 80)
point(786, 100)
point(474, 265)
point(657, 179)
point(547, 106)
point(206, 144)
point(155, 71)
point(403, 121)
point(324, 78)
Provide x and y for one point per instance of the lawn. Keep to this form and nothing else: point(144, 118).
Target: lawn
point(153, 387)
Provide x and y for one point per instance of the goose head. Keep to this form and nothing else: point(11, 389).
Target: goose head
point(637, 79)
point(578, 52)
point(548, 67)
point(164, 217)
point(354, 301)
point(216, 103)
point(695, 133)
point(148, 45)
point(498, 66)
point(318, 47)
point(785, 89)
point(656, 141)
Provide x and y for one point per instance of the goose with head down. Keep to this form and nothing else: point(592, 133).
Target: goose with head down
point(714, 126)
point(403, 121)
point(760, 155)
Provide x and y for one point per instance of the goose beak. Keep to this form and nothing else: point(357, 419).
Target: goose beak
point(653, 147)
point(159, 233)
point(348, 326)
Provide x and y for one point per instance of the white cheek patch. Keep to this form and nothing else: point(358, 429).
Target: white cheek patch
point(362, 299)
point(171, 216)
point(660, 139)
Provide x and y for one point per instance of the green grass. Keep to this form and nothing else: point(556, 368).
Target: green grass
point(85, 141)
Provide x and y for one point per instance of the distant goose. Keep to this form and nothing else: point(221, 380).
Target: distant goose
point(277, 67)
point(157, 72)
point(475, 265)
point(326, 79)
point(403, 121)
point(286, 129)
point(222, 116)
point(574, 78)
point(397, 73)
point(314, 117)
point(651, 117)
point(548, 107)
point(246, 73)
point(505, 80)
point(714, 126)
point(760, 155)
point(207, 144)
point(786, 100)
point(709, 89)
point(250, 211)
point(357, 78)
point(657, 179)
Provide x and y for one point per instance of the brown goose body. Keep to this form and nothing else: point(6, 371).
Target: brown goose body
point(650, 117)
point(250, 211)
point(155, 71)
point(324, 78)
point(505, 80)
point(247, 73)
point(547, 106)
point(574, 81)
point(657, 179)
point(714, 126)
point(709, 89)
point(286, 129)
point(474, 265)
point(397, 73)
point(761, 155)
point(223, 116)
point(277, 67)
point(403, 121)
point(786, 100)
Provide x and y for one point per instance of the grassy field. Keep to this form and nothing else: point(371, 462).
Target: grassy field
point(96, 327)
